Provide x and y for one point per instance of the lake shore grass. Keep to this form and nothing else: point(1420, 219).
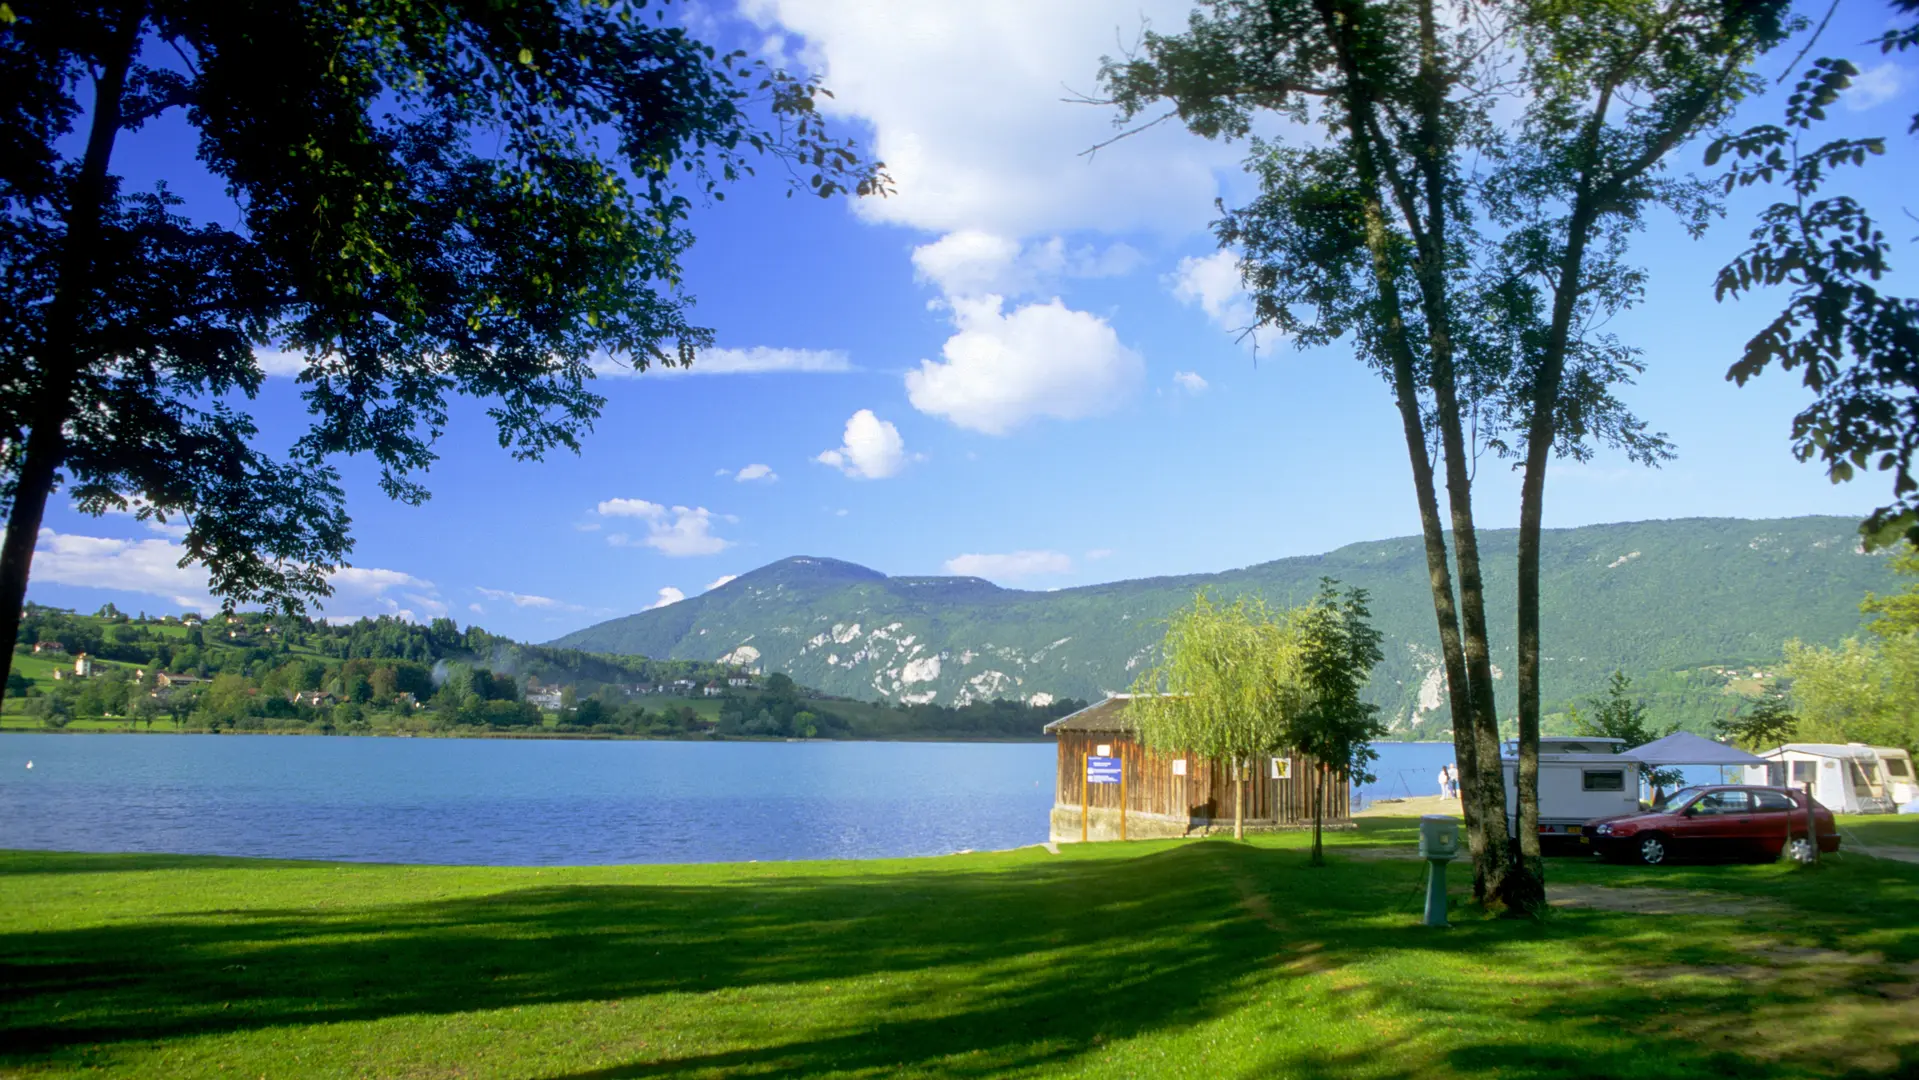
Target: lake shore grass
point(1166, 958)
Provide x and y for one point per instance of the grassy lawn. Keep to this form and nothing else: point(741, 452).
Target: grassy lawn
point(1880, 830)
point(1207, 959)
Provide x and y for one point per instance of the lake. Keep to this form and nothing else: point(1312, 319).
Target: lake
point(544, 802)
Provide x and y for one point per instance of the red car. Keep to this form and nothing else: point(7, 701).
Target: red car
point(1721, 821)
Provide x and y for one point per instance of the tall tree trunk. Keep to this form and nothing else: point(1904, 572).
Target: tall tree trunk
point(1239, 801)
point(1527, 889)
point(1459, 688)
point(1319, 810)
point(57, 360)
point(1483, 781)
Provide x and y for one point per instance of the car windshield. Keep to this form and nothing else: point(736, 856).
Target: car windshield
point(1680, 798)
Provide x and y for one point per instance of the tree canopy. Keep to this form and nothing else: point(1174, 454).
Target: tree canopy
point(431, 201)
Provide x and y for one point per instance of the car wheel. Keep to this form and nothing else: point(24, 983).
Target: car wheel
point(1652, 850)
point(1799, 849)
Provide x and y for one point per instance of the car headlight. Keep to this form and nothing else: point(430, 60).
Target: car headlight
point(1604, 830)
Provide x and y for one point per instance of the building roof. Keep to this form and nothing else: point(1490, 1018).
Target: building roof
point(1108, 715)
point(1685, 748)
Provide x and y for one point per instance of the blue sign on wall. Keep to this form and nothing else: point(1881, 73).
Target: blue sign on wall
point(1102, 770)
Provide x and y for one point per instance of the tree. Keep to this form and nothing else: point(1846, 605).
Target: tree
point(431, 200)
point(1467, 264)
point(1338, 650)
point(1618, 714)
point(1769, 722)
point(1856, 348)
point(1226, 686)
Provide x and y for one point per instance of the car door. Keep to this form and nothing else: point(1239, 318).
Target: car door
point(1771, 822)
point(1714, 825)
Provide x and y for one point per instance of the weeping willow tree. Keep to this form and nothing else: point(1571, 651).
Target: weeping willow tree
point(1228, 685)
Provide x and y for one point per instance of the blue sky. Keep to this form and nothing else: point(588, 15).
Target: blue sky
point(1019, 366)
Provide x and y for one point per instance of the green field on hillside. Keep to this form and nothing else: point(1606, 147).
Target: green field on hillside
point(1205, 959)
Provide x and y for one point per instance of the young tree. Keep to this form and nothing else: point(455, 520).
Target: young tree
point(1619, 714)
point(430, 200)
point(1227, 686)
point(1769, 722)
point(1338, 649)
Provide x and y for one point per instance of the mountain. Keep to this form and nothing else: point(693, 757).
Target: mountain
point(1689, 608)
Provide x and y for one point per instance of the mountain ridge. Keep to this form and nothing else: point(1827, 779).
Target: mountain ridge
point(1676, 602)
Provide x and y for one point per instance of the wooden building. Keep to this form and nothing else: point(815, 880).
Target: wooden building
point(1171, 794)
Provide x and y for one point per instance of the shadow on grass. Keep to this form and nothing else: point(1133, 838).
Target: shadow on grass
point(1035, 964)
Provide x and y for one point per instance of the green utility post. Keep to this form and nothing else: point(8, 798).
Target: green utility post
point(1438, 843)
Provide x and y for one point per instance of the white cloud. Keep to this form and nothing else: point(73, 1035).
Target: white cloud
point(676, 531)
point(174, 529)
point(524, 600)
point(754, 472)
point(870, 450)
point(668, 595)
point(1012, 565)
point(719, 581)
point(757, 360)
point(476, 609)
point(276, 362)
point(1212, 284)
point(1100, 553)
point(1003, 154)
point(1876, 85)
point(970, 262)
point(153, 567)
point(1190, 381)
point(1003, 370)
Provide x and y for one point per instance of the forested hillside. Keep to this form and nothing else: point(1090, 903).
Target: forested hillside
point(1689, 608)
point(249, 672)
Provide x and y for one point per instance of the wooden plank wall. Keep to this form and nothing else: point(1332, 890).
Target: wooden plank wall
point(1205, 792)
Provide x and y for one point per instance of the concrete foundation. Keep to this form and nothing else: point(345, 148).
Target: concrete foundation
point(1103, 824)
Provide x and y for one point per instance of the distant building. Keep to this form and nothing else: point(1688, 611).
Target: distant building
point(739, 679)
point(543, 698)
point(169, 681)
point(83, 666)
point(317, 699)
point(684, 686)
point(41, 648)
point(405, 698)
point(712, 689)
point(190, 620)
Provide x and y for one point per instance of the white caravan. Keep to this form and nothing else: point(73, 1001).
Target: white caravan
point(1902, 784)
point(1846, 778)
point(1579, 779)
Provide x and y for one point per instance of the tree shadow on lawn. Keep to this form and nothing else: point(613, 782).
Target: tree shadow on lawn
point(1036, 964)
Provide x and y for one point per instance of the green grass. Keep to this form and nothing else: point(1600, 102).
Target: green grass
point(1206, 959)
point(1880, 830)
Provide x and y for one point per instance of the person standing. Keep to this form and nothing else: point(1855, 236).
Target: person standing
point(1445, 781)
point(1452, 781)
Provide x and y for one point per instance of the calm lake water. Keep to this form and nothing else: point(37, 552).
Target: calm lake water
point(543, 803)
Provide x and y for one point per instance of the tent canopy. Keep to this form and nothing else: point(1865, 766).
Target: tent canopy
point(1685, 748)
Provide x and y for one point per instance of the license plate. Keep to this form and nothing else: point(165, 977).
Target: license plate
point(1586, 840)
point(1573, 829)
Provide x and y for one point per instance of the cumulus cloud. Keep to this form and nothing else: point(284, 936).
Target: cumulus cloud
point(719, 581)
point(1042, 360)
point(1212, 284)
point(668, 595)
point(277, 362)
point(871, 448)
point(1004, 155)
point(1190, 381)
point(1877, 85)
point(970, 262)
point(153, 567)
point(1011, 565)
point(676, 531)
point(762, 473)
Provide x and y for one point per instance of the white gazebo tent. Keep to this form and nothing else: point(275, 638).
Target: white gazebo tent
point(1685, 748)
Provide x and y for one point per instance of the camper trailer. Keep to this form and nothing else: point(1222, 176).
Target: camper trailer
point(1847, 778)
point(1902, 785)
point(1579, 779)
